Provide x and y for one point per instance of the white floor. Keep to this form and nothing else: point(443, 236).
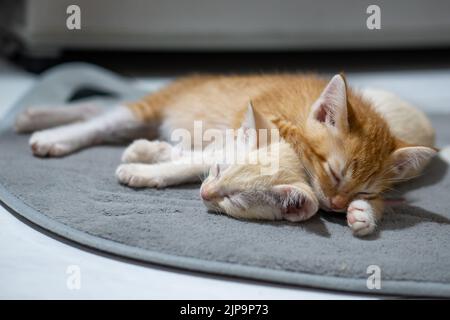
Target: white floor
point(34, 265)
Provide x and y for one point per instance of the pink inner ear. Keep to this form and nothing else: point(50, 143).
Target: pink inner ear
point(297, 210)
point(323, 113)
point(295, 207)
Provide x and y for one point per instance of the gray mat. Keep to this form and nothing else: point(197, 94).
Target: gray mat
point(77, 197)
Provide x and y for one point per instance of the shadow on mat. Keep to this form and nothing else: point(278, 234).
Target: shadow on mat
point(404, 215)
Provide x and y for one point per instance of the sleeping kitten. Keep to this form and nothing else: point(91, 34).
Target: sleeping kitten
point(345, 146)
point(239, 189)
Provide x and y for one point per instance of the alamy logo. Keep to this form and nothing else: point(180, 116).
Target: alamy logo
point(374, 279)
point(228, 146)
point(73, 281)
point(373, 22)
point(73, 21)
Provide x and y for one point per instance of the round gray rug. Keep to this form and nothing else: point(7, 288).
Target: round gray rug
point(78, 197)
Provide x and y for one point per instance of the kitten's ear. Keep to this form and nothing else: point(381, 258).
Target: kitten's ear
point(247, 135)
point(251, 132)
point(331, 107)
point(296, 204)
point(407, 159)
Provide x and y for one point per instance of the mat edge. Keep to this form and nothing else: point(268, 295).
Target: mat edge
point(389, 287)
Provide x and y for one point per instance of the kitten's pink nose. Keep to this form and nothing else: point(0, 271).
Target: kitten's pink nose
point(338, 202)
point(207, 194)
point(204, 194)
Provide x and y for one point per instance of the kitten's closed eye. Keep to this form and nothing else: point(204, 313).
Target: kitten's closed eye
point(334, 175)
point(367, 195)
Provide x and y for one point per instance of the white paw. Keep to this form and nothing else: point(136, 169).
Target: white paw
point(140, 175)
point(50, 143)
point(144, 151)
point(360, 218)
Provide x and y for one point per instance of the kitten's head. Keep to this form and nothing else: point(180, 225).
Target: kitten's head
point(243, 189)
point(349, 151)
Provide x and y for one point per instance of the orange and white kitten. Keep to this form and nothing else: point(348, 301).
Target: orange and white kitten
point(262, 183)
point(241, 191)
point(346, 147)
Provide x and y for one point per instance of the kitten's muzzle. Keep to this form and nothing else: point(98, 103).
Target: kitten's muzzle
point(209, 194)
point(334, 204)
point(338, 203)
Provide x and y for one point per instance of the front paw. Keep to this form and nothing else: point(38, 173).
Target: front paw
point(361, 218)
point(49, 143)
point(297, 204)
point(144, 151)
point(139, 176)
